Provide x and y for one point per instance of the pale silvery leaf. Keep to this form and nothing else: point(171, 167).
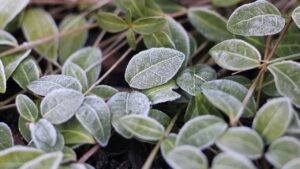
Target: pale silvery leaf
point(168, 144)
point(2, 78)
point(24, 129)
point(122, 104)
point(14, 157)
point(236, 55)
point(187, 157)
point(69, 155)
point(231, 161)
point(74, 133)
point(160, 116)
point(179, 36)
point(273, 118)
point(294, 127)
point(9, 9)
point(287, 79)
point(259, 18)
point(27, 72)
point(228, 95)
point(38, 24)
point(191, 79)
point(242, 140)
point(47, 84)
point(293, 164)
point(283, 150)
point(69, 44)
point(95, 117)
point(86, 59)
point(210, 24)
point(6, 139)
point(11, 62)
point(27, 108)
point(201, 131)
point(45, 161)
point(153, 67)
point(43, 132)
point(60, 105)
point(104, 91)
point(162, 93)
point(7, 39)
point(74, 70)
point(296, 16)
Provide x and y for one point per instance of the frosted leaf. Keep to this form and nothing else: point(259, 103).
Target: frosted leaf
point(9, 9)
point(2, 78)
point(6, 139)
point(27, 108)
point(293, 164)
point(296, 16)
point(45, 161)
point(71, 69)
point(259, 18)
point(153, 67)
point(231, 161)
point(168, 144)
point(7, 39)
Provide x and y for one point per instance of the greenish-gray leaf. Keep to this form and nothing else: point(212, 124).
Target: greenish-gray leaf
point(74, 70)
point(2, 78)
point(259, 18)
point(236, 55)
point(45, 161)
point(104, 91)
point(111, 22)
point(232, 161)
point(9, 10)
point(24, 129)
point(153, 67)
point(222, 3)
point(158, 39)
point(273, 118)
point(7, 39)
point(293, 164)
point(296, 16)
point(60, 105)
point(27, 108)
point(134, 7)
point(131, 40)
point(210, 24)
point(168, 144)
point(149, 25)
point(69, 155)
point(160, 116)
point(201, 131)
point(6, 139)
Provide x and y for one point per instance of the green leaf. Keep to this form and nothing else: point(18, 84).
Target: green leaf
point(74, 70)
point(168, 144)
point(27, 108)
point(158, 39)
point(227, 3)
point(296, 16)
point(293, 164)
point(153, 67)
point(47, 84)
point(27, 72)
point(7, 39)
point(294, 127)
point(11, 62)
point(122, 104)
point(131, 39)
point(148, 25)
point(242, 140)
point(45, 161)
point(43, 133)
point(209, 23)
point(60, 105)
point(69, 155)
point(135, 7)
point(200, 105)
point(111, 22)
point(38, 24)
point(71, 43)
point(160, 116)
point(236, 55)
point(144, 128)
point(187, 157)
point(9, 10)
point(269, 87)
point(259, 18)
point(227, 96)
point(74, 133)
point(104, 91)
point(86, 58)
point(201, 131)
point(14, 157)
point(287, 79)
point(95, 117)
point(191, 79)
point(179, 36)
point(283, 150)
point(2, 78)
point(240, 79)
point(6, 139)
point(231, 161)
point(24, 129)
point(273, 118)
point(169, 6)
point(162, 93)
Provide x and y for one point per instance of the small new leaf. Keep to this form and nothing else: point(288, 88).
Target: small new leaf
point(27, 108)
point(111, 22)
point(149, 25)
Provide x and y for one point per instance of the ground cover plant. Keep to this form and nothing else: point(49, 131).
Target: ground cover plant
point(149, 84)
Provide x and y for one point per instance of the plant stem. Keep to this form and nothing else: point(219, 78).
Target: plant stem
point(7, 106)
point(89, 153)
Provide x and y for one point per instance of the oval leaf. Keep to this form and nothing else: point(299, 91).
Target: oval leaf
point(72, 69)
point(231, 161)
point(104, 91)
point(168, 144)
point(26, 108)
point(7, 39)
point(293, 164)
point(111, 22)
point(9, 10)
point(157, 40)
point(45, 161)
point(6, 139)
point(153, 67)
point(148, 25)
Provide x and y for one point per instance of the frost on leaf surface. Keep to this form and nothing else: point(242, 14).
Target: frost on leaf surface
point(153, 67)
point(259, 18)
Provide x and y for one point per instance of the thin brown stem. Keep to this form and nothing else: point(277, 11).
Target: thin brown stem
point(7, 107)
point(89, 153)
